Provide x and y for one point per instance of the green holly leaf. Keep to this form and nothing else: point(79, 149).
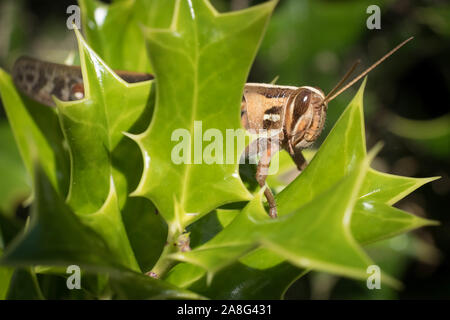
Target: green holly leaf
point(94, 128)
point(201, 59)
point(201, 51)
point(126, 50)
point(5, 278)
point(134, 286)
point(14, 185)
point(389, 188)
point(146, 230)
point(312, 219)
point(343, 149)
point(324, 244)
point(123, 48)
point(46, 243)
point(374, 221)
point(37, 133)
point(258, 275)
point(24, 286)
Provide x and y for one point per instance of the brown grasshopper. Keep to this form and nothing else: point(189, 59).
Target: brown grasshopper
point(292, 117)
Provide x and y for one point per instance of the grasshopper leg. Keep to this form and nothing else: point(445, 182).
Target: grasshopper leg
point(261, 175)
point(299, 160)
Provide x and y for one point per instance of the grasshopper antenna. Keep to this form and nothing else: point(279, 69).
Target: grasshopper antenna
point(330, 97)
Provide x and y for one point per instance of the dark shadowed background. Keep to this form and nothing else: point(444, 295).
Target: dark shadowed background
point(314, 42)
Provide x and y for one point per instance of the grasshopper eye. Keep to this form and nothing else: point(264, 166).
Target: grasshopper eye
point(301, 104)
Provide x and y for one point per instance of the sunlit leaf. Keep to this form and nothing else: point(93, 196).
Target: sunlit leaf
point(375, 221)
point(388, 188)
point(37, 133)
point(319, 192)
point(123, 49)
point(192, 59)
point(343, 149)
point(82, 212)
point(325, 242)
point(94, 127)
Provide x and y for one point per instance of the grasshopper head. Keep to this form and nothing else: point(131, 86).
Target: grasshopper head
point(305, 117)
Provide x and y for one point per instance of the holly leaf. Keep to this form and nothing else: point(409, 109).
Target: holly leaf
point(343, 149)
point(24, 286)
point(46, 243)
point(5, 278)
point(134, 286)
point(14, 185)
point(37, 133)
point(192, 59)
point(324, 244)
point(94, 128)
point(123, 48)
point(375, 221)
point(309, 202)
point(251, 277)
point(389, 188)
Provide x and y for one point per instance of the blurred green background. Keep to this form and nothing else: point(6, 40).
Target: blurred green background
point(313, 42)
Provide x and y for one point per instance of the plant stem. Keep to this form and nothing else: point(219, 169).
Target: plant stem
point(165, 263)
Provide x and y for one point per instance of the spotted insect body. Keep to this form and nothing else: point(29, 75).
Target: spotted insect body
point(40, 80)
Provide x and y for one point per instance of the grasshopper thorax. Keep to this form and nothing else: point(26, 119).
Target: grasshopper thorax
point(295, 115)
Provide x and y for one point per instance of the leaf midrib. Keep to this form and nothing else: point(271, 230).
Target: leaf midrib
point(187, 169)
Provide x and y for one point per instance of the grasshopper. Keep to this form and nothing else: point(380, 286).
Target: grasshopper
point(292, 117)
